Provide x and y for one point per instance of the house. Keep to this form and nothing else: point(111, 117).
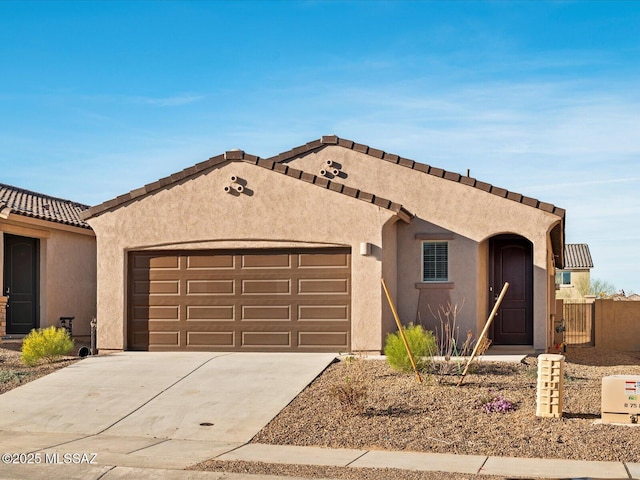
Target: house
point(48, 261)
point(574, 280)
point(287, 254)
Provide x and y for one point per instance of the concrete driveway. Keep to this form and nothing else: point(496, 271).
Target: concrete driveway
point(154, 409)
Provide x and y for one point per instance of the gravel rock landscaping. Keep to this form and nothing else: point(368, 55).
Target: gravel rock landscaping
point(14, 373)
point(398, 413)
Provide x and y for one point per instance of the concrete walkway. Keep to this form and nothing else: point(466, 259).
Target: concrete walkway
point(168, 465)
point(433, 462)
point(141, 409)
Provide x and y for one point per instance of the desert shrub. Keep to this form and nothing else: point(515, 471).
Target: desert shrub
point(45, 344)
point(451, 346)
point(10, 376)
point(421, 342)
point(351, 390)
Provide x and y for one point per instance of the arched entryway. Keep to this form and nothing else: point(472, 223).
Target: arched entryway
point(511, 260)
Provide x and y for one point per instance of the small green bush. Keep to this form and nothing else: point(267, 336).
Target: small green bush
point(421, 342)
point(45, 344)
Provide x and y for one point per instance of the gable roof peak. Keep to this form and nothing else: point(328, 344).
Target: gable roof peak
point(328, 140)
point(238, 155)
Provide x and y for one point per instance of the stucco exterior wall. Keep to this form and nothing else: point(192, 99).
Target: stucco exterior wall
point(471, 215)
point(67, 270)
point(274, 211)
point(617, 325)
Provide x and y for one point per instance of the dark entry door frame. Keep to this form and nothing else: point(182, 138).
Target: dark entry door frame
point(511, 260)
point(21, 278)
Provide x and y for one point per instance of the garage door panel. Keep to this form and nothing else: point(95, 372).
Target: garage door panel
point(266, 339)
point(262, 287)
point(323, 312)
point(251, 300)
point(336, 339)
point(210, 312)
point(156, 287)
point(211, 339)
point(210, 262)
point(266, 261)
point(156, 312)
point(322, 286)
point(336, 260)
point(151, 262)
point(266, 312)
point(165, 339)
point(210, 287)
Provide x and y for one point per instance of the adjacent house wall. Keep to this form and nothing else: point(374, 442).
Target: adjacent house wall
point(469, 214)
point(196, 213)
point(579, 287)
point(67, 269)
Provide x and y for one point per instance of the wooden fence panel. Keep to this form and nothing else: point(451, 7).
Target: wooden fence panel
point(579, 323)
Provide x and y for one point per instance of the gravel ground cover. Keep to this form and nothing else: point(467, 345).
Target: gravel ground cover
point(14, 373)
point(398, 413)
point(341, 473)
point(394, 412)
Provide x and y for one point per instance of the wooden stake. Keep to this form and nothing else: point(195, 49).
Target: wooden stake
point(484, 330)
point(401, 330)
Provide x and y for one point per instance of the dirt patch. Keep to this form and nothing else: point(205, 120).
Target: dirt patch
point(14, 373)
point(397, 413)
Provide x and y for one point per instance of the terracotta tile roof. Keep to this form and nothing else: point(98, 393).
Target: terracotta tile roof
point(23, 202)
point(239, 155)
point(281, 159)
point(577, 255)
point(426, 169)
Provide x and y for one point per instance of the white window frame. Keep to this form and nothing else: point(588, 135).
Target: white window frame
point(562, 273)
point(422, 262)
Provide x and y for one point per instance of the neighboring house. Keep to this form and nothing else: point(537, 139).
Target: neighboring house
point(288, 253)
point(574, 280)
point(48, 260)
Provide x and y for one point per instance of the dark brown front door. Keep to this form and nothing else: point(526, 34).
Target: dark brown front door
point(21, 283)
point(512, 261)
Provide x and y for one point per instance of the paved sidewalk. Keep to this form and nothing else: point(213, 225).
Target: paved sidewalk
point(165, 465)
point(433, 462)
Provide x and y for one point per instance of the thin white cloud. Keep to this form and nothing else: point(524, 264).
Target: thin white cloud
point(168, 101)
point(172, 101)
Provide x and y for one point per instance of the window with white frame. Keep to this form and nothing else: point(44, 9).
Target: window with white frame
point(563, 277)
point(435, 261)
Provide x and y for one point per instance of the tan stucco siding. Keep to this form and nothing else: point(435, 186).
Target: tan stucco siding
point(67, 270)
point(273, 211)
point(470, 214)
point(70, 278)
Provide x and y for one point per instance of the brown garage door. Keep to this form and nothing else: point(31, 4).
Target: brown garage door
point(250, 300)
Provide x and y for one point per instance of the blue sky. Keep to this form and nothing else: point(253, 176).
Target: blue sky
point(542, 98)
